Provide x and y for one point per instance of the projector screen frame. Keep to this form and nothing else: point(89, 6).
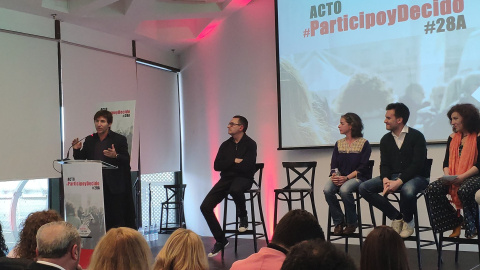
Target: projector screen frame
point(279, 99)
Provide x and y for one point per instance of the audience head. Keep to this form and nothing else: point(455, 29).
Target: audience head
point(296, 226)
point(105, 114)
point(59, 242)
point(317, 254)
point(401, 111)
point(183, 251)
point(355, 122)
point(470, 117)
point(121, 249)
point(384, 249)
point(3, 246)
point(27, 244)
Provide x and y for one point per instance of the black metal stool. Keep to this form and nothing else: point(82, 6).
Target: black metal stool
point(300, 192)
point(457, 241)
point(418, 229)
point(253, 193)
point(361, 225)
point(175, 195)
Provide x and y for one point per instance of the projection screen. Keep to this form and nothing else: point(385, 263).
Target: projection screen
point(357, 56)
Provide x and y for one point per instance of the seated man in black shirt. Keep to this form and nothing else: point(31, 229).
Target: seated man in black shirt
point(235, 160)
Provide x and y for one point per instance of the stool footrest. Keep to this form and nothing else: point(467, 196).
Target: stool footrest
point(249, 232)
point(257, 223)
point(352, 235)
point(455, 240)
point(426, 242)
point(232, 233)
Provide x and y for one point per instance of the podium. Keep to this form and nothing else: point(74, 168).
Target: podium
point(83, 198)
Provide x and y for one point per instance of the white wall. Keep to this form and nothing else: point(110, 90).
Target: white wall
point(233, 71)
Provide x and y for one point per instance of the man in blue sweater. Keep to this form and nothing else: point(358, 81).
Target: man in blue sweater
point(403, 155)
point(235, 161)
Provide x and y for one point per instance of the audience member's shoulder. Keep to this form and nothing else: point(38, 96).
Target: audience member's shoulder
point(14, 263)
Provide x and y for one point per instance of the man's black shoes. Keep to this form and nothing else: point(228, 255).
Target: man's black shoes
point(217, 248)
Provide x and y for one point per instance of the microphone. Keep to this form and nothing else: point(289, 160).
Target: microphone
point(68, 152)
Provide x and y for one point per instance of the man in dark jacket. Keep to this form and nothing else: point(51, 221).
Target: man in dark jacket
point(235, 160)
point(112, 148)
point(403, 155)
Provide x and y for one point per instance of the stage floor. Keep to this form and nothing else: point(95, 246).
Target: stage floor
point(467, 260)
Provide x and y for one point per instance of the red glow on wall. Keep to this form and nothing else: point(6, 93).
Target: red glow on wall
point(244, 2)
point(208, 29)
point(268, 185)
point(267, 152)
point(237, 4)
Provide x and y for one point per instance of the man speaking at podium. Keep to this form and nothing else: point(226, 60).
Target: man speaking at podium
point(112, 148)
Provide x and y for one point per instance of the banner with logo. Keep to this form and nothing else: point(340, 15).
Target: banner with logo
point(83, 190)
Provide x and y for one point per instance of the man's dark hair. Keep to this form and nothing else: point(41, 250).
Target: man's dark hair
point(470, 116)
point(317, 254)
point(296, 226)
point(401, 110)
point(104, 113)
point(242, 121)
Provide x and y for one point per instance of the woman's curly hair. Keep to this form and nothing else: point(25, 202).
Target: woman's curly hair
point(3, 246)
point(27, 244)
point(470, 116)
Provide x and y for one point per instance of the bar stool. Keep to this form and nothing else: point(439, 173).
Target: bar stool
point(418, 229)
point(457, 241)
point(175, 195)
point(299, 193)
point(361, 225)
point(253, 193)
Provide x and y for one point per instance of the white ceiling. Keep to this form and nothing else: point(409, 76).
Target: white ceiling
point(167, 24)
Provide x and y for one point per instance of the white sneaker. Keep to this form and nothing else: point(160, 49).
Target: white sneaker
point(408, 229)
point(397, 225)
point(243, 224)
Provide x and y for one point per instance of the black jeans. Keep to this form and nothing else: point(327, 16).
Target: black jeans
point(234, 186)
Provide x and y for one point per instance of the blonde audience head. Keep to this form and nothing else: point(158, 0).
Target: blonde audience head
point(121, 249)
point(183, 251)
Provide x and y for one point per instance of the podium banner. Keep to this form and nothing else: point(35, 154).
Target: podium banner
point(84, 208)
